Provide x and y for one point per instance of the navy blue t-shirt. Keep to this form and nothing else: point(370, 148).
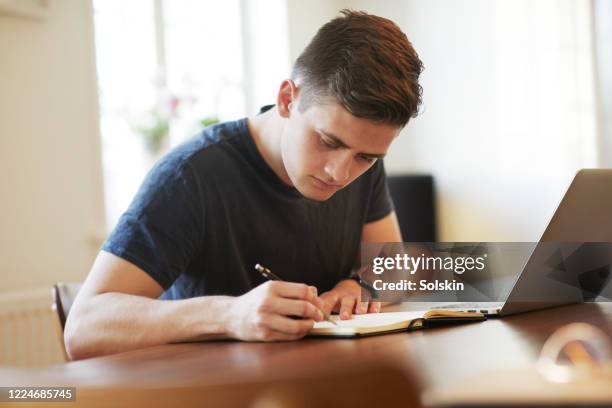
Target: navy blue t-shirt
point(212, 208)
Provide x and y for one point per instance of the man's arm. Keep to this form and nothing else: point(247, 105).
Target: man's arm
point(384, 230)
point(117, 310)
point(345, 296)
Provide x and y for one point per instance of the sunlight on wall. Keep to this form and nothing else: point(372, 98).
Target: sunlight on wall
point(200, 77)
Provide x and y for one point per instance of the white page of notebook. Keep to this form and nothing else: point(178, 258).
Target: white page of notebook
point(370, 319)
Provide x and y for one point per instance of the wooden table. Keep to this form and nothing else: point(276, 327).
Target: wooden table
point(439, 357)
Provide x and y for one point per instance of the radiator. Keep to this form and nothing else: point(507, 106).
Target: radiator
point(29, 330)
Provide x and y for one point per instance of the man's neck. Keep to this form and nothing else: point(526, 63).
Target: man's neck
point(266, 130)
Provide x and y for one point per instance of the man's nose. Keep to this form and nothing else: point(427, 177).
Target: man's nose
point(339, 168)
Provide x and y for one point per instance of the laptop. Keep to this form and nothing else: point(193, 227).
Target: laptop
point(583, 216)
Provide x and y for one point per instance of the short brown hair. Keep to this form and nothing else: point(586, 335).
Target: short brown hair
point(367, 64)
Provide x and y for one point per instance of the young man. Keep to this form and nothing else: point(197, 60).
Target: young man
point(295, 188)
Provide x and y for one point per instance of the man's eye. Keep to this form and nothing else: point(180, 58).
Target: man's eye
point(367, 159)
point(328, 144)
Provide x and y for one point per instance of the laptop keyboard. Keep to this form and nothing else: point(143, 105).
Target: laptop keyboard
point(486, 308)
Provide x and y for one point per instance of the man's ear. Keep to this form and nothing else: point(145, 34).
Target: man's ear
point(286, 98)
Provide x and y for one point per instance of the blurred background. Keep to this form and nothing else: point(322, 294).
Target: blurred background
point(517, 98)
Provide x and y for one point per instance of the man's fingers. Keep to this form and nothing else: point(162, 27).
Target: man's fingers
point(318, 302)
point(346, 307)
point(361, 308)
point(292, 290)
point(329, 302)
point(374, 307)
point(293, 327)
point(292, 307)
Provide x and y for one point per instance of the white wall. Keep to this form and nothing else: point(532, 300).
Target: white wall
point(266, 50)
point(304, 19)
point(602, 19)
point(508, 113)
point(51, 205)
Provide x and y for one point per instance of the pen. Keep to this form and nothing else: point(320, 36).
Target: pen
point(268, 274)
point(365, 285)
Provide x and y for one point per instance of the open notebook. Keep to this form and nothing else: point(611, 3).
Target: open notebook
point(378, 323)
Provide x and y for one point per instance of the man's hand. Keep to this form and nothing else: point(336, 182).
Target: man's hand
point(345, 298)
point(263, 313)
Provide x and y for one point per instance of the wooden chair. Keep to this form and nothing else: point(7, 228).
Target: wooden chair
point(63, 295)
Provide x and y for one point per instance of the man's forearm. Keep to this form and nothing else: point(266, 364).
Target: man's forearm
point(114, 322)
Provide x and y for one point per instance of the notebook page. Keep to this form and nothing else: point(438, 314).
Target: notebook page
point(370, 320)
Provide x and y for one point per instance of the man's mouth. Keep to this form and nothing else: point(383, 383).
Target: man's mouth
point(324, 185)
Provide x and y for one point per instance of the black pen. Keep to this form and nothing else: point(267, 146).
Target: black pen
point(268, 274)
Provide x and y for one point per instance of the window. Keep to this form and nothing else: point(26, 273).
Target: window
point(163, 68)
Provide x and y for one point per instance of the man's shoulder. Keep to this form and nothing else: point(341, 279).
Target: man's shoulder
point(205, 153)
point(209, 142)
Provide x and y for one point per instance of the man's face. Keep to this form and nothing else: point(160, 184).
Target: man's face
point(325, 148)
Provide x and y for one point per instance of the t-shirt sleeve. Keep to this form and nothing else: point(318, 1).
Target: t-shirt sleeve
point(381, 203)
point(161, 232)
